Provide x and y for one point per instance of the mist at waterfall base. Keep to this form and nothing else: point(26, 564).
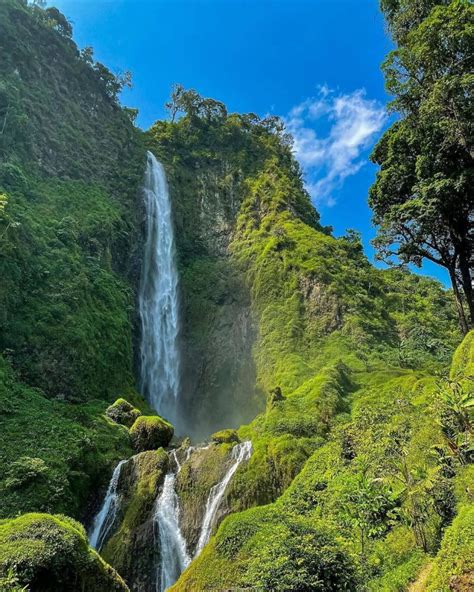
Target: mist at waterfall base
point(158, 299)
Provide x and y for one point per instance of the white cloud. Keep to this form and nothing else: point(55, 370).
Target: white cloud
point(352, 122)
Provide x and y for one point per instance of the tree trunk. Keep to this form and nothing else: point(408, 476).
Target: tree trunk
point(466, 282)
point(459, 306)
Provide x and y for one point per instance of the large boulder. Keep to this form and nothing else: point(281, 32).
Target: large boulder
point(123, 412)
point(51, 553)
point(150, 432)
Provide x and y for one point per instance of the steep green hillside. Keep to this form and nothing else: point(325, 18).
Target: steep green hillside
point(268, 295)
point(71, 164)
point(370, 506)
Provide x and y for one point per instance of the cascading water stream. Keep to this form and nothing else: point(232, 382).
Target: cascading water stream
point(173, 553)
point(105, 518)
point(158, 298)
point(240, 452)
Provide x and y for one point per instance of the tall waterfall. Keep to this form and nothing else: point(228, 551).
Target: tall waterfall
point(158, 298)
point(173, 553)
point(240, 452)
point(105, 518)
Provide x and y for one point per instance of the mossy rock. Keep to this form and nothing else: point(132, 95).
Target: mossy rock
point(131, 549)
point(123, 412)
point(225, 436)
point(51, 553)
point(150, 432)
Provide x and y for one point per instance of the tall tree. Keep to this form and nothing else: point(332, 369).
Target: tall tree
point(422, 198)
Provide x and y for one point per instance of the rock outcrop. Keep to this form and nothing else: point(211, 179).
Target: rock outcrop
point(131, 548)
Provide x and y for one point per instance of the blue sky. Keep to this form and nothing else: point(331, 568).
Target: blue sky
point(316, 63)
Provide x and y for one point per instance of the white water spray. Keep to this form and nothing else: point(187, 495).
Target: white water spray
point(105, 518)
point(174, 556)
point(158, 298)
point(240, 452)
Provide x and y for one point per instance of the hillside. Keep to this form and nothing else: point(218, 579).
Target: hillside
point(71, 165)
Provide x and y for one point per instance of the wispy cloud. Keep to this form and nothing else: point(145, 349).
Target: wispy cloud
point(350, 122)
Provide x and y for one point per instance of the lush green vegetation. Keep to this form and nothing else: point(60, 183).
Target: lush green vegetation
point(377, 495)
point(69, 234)
point(338, 372)
point(53, 454)
point(51, 553)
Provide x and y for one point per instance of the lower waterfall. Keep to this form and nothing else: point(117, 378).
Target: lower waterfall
point(105, 518)
point(174, 557)
point(240, 452)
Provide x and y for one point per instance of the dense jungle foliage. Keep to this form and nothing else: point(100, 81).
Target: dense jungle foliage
point(69, 238)
point(354, 383)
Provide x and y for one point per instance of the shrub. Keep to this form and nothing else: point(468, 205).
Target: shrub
point(454, 565)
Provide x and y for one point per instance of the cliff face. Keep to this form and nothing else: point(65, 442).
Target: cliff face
point(71, 225)
point(209, 160)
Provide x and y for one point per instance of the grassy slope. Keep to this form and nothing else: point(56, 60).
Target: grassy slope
point(353, 501)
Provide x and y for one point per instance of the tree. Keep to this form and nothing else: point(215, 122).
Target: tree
point(58, 22)
point(113, 84)
point(369, 507)
point(194, 106)
point(421, 198)
point(404, 15)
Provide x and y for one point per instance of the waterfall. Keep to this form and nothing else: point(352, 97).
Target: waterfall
point(158, 298)
point(174, 556)
point(105, 518)
point(240, 452)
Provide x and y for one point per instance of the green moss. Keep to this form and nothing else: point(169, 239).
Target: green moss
point(51, 553)
point(61, 299)
point(267, 550)
point(122, 412)
point(225, 436)
point(150, 432)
